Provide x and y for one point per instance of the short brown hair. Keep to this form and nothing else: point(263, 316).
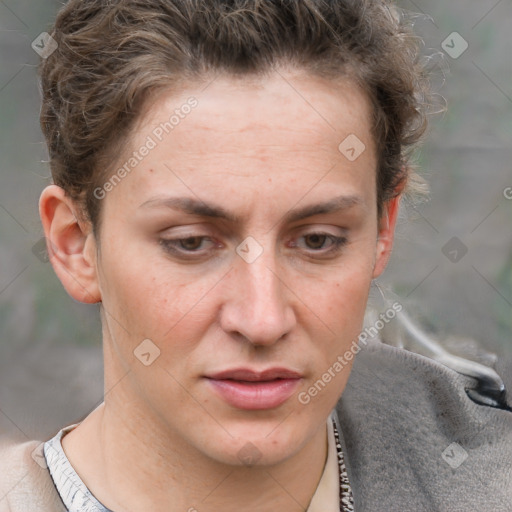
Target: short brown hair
point(112, 54)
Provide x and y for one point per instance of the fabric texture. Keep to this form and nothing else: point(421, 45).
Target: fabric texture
point(413, 440)
point(74, 493)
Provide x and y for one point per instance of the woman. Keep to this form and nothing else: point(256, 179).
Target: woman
point(201, 150)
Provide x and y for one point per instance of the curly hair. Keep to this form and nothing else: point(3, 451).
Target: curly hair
point(112, 55)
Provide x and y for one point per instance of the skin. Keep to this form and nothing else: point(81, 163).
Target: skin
point(259, 149)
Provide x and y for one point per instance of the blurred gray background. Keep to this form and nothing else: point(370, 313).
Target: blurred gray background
point(452, 263)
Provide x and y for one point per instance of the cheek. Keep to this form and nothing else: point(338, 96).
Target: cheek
point(342, 292)
point(345, 308)
point(334, 343)
point(134, 288)
point(339, 301)
point(151, 298)
point(155, 302)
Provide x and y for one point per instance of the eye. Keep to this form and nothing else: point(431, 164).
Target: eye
point(188, 245)
point(321, 243)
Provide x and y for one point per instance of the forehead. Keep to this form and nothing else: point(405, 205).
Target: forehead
point(286, 126)
point(284, 104)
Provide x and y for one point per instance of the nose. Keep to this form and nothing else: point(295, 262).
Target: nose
point(257, 305)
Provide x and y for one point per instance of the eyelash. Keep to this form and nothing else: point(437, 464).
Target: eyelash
point(169, 245)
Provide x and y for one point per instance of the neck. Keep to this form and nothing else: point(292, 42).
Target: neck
point(130, 463)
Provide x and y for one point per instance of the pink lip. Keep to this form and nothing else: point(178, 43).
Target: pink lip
point(253, 390)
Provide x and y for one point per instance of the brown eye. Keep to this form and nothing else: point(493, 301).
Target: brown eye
point(320, 244)
point(316, 240)
point(192, 243)
point(191, 246)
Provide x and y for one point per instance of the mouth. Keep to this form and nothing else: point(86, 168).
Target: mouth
point(247, 389)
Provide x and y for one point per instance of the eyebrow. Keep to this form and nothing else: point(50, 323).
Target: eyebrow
point(202, 209)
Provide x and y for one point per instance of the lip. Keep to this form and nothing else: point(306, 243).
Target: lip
point(249, 389)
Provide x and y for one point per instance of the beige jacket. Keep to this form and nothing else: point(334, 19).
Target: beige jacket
point(25, 482)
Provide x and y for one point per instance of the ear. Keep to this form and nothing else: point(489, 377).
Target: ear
point(71, 245)
point(387, 224)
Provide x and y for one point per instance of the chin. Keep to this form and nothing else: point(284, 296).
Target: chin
point(256, 446)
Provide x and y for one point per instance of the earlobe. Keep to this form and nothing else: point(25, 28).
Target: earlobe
point(71, 245)
point(387, 224)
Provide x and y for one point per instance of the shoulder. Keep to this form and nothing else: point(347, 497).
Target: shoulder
point(25, 482)
point(409, 424)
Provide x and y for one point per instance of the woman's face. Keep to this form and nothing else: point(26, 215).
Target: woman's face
point(243, 238)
